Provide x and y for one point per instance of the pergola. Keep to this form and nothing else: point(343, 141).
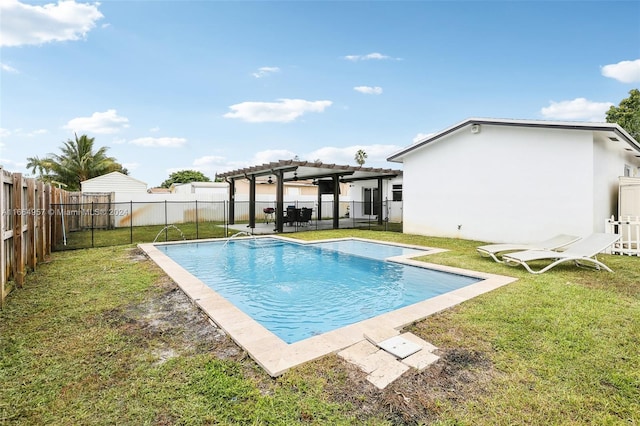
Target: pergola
point(291, 170)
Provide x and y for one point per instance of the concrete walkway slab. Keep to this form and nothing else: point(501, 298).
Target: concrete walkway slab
point(387, 374)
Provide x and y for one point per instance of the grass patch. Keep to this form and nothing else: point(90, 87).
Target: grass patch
point(141, 234)
point(101, 336)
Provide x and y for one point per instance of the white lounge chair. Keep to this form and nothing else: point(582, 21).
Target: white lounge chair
point(494, 250)
point(581, 252)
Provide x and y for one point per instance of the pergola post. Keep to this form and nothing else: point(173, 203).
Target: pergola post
point(252, 201)
point(279, 201)
point(379, 201)
point(319, 212)
point(232, 201)
point(336, 202)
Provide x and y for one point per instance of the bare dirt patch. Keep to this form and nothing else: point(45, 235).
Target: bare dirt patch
point(170, 317)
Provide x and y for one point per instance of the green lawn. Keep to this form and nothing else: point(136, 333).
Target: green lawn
point(89, 340)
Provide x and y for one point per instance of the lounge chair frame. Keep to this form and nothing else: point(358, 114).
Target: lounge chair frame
point(583, 253)
point(495, 250)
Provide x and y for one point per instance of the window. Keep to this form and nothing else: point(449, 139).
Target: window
point(397, 193)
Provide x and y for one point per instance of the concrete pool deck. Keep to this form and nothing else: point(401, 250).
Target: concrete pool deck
point(276, 356)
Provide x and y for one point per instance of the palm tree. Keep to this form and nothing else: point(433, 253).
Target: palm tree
point(77, 162)
point(360, 157)
point(41, 166)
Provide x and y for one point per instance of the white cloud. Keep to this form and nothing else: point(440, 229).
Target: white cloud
point(22, 133)
point(100, 122)
point(421, 136)
point(367, 57)
point(212, 164)
point(624, 71)
point(368, 90)
point(8, 68)
point(13, 165)
point(24, 24)
point(130, 166)
point(37, 132)
point(264, 71)
point(267, 156)
point(154, 129)
point(577, 109)
point(376, 154)
point(159, 142)
point(208, 160)
point(283, 111)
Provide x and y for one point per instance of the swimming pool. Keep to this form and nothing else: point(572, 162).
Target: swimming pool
point(297, 290)
point(275, 355)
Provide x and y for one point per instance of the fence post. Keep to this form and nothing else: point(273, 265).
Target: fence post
point(197, 234)
point(18, 261)
point(31, 224)
point(47, 220)
point(92, 223)
point(628, 227)
point(131, 222)
point(3, 260)
point(166, 231)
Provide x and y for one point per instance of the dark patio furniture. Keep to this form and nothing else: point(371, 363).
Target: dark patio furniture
point(293, 215)
point(305, 215)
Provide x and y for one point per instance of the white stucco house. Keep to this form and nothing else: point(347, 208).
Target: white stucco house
point(114, 182)
point(200, 188)
point(508, 180)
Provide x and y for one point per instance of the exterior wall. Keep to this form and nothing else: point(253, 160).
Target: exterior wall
point(356, 194)
point(200, 188)
point(629, 204)
point(609, 163)
point(149, 209)
point(114, 182)
point(503, 184)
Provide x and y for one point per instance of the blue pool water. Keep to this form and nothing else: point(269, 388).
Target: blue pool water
point(299, 290)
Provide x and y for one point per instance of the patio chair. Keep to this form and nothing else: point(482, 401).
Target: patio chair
point(582, 253)
point(305, 216)
point(494, 250)
point(293, 215)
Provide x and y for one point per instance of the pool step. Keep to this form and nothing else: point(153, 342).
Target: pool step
point(386, 360)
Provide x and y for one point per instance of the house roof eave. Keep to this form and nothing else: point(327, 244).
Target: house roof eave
point(575, 125)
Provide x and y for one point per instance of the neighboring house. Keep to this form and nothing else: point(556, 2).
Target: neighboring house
point(158, 191)
point(113, 182)
point(199, 188)
point(515, 180)
point(264, 188)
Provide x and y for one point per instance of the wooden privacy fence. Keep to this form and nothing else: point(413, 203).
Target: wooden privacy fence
point(629, 229)
point(30, 226)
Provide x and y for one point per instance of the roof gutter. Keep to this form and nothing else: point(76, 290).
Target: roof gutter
point(616, 128)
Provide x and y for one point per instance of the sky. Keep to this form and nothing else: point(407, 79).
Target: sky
point(219, 85)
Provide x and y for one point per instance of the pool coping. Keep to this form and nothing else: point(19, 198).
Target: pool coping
point(275, 355)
